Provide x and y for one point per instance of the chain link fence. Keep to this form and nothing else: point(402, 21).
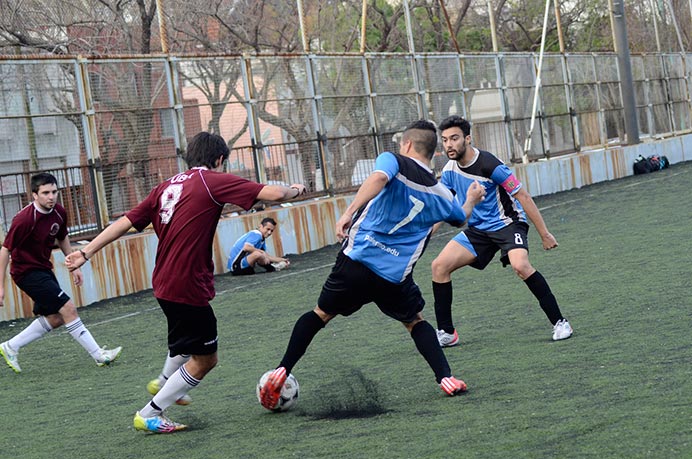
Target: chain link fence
point(111, 129)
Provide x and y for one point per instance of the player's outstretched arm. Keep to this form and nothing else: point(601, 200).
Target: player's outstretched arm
point(66, 248)
point(529, 205)
point(280, 192)
point(105, 237)
point(370, 188)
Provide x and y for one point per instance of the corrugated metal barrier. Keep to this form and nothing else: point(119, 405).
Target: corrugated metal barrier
point(125, 266)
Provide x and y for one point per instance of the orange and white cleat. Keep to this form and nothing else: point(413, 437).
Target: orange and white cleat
point(447, 339)
point(270, 392)
point(452, 386)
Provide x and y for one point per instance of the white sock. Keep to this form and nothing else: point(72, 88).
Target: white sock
point(179, 384)
point(80, 333)
point(171, 366)
point(34, 331)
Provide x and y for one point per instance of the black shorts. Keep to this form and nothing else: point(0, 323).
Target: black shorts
point(241, 267)
point(42, 286)
point(191, 329)
point(486, 243)
point(351, 285)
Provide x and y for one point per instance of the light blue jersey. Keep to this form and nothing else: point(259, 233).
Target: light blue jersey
point(499, 208)
point(390, 233)
point(254, 238)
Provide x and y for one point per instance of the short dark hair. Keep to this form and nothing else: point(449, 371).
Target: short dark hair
point(423, 135)
point(44, 178)
point(456, 121)
point(204, 149)
point(268, 220)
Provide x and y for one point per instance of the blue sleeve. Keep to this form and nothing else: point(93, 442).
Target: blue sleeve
point(387, 163)
point(255, 240)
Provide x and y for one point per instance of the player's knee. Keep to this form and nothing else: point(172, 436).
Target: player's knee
point(199, 365)
point(523, 270)
point(67, 313)
point(55, 320)
point(439, 268)
point(410, 325)
point(323, 315)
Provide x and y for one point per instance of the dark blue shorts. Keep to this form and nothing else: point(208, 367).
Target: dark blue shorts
point(42, 286)
point(485, 244)
point(351, 285)
point(191, 329)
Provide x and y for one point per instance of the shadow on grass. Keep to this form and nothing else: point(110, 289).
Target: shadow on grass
point(352, 396)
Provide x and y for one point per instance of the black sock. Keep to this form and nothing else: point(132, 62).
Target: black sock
point(269, 267)
point(443, 306)
point(424, 336)
point(304, 330)
point(541, 290)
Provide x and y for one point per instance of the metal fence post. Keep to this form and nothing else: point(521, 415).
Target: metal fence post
point(253, 123)
point(540, 111)
point(91, 142)
point(319, 125)
point(175, 98)
point(371, 103)
point(504, 106)
point(420, 90)
point(569, 94)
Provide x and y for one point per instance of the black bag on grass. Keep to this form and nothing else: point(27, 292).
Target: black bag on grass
point(653, 163)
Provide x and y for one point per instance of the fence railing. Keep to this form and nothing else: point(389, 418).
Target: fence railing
point(113, 128)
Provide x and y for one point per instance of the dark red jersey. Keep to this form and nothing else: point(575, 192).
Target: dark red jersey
point(184, 211)
point(32, 237)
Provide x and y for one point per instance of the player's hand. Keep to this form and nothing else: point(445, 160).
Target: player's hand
point(78, 277)
point(300, 187)
point(475, 193)
point(342, 226)
point(549, 241)
point(74, 260)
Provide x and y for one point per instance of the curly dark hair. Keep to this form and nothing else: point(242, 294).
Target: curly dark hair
point(456, 121)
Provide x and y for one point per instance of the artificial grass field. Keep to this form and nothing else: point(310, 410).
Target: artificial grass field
point(620, 387)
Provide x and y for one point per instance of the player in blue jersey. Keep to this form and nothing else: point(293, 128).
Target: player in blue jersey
point(385, 230)
point(251, 249)
point(498, 223)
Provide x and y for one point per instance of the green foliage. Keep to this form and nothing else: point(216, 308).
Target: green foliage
point(619, 388)
point(475, 40)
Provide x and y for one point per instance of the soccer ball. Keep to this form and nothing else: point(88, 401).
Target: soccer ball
point(289, 393)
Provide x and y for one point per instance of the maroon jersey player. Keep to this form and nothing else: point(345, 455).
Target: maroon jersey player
point(34, 231)
point(184, 212)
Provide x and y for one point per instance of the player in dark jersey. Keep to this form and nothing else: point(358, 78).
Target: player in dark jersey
point(498, 223)
point(184, 211)
point(385, 230)
point(34, 232)
point(251, 249)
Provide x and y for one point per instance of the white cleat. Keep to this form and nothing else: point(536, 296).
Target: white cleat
point(447, 339)
point(280, 265)
point(562, 330)
point(108, 356)
point(10, 356)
